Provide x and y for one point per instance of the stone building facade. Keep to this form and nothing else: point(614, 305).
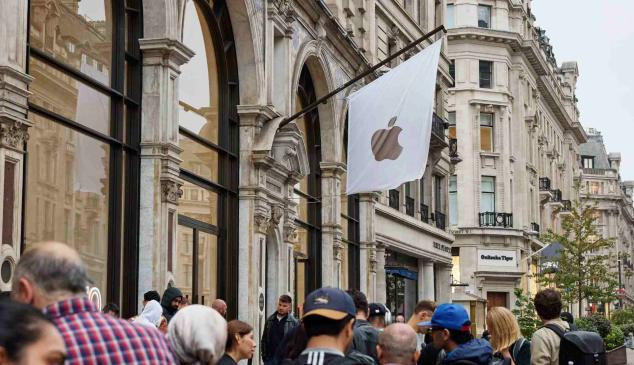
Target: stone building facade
point(146, 134)
point(514, 114)
point(601, 186)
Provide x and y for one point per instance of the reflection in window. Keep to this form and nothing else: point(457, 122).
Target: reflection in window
point(80, 218)
point(198, 82)
point(484, 16)
point(451, 119)
point(76, 33)
point(486, 132)
point(450, 17)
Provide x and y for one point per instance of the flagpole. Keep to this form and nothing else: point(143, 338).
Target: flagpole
point(359, 77)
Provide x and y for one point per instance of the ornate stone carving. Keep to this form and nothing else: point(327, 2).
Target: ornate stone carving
point(276, 214)
point(13, 134)
point(373, 259)
point(171, 191)
point(337, 251)
point(262, 217)
point(290, 232)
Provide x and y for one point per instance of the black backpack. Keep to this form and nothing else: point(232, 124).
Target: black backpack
point(579, 347)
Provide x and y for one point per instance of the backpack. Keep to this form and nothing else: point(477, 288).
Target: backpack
point(517, 347)
point(579, 347)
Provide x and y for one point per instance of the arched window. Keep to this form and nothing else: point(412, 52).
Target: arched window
point(81, 180)
point(308, 195)
point(205, 256)
point(350, 227)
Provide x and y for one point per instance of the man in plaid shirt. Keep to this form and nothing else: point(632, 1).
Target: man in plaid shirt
point(51, 276)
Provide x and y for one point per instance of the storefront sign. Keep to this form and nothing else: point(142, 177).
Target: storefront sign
point(441, 247)
point(497, 258)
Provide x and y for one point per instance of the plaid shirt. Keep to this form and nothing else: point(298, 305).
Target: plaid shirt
point(93, 337)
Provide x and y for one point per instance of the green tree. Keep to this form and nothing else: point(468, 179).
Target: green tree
point(525, 313)
point(584, 266)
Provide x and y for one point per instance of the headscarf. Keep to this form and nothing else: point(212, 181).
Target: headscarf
point(151, 315)
point(197, 335)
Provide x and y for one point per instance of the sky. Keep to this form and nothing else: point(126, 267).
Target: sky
point(599, 35)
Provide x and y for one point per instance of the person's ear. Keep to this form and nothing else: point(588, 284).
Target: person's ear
point(25, 292)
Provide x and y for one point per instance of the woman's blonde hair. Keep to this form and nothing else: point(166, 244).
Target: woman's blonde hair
point(503, 327)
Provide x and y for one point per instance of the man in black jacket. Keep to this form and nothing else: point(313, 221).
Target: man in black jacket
point(366, 337)
point(276, 327)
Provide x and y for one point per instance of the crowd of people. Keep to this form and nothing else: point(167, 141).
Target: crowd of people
point(49, 319)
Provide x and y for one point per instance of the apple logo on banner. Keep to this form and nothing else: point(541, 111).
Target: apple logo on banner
point(385, 142)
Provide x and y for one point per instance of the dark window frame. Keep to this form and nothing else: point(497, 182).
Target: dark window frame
point(226, 231)
point(123, 239)
point(485, 76)
point(354, 232)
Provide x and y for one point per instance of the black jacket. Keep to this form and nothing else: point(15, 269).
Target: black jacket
point(170, 294)
point(269, 354)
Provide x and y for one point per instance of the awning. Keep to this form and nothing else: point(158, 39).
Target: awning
point(404, 273)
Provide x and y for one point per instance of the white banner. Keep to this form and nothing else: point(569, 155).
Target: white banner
point(389, 125)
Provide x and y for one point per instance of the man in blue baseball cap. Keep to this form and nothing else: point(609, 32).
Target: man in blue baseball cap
point(451, 331)
point(329, 315)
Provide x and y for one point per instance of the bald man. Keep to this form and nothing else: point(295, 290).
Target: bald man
point(51, 276)
point(220, 306)
point(397, 345)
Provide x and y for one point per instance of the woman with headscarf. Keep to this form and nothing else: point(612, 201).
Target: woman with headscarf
point(151, 315)
point(197, 335)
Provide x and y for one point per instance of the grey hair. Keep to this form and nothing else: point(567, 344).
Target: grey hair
point(398, 346)
point(52, 273)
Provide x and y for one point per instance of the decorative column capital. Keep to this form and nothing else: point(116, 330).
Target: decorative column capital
point(13, 133)
point(165, 51)
point(171, 191)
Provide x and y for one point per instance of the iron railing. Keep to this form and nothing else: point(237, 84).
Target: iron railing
point(544, 183)
point(394, 199)
point(556, 195)
point(495, 219)
point(440, 220)
point(453, 147)
point(567, 205)
point(409, 206)
point(424, 213)
point(535, 227)
point(438, 126)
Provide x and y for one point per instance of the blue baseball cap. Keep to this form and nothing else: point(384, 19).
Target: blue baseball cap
point(331, 303)
point(449, 316)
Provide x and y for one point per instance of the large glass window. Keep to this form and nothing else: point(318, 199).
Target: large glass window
point(484, 16)
point(83, 148)
point(351, 231)
point(451, 119)
point(486, 132)
point(487, 194)
point(452, 72)
point(308, 194)
point(453, 200)
point(486, 74)
point(450, 17)
point(205, 256)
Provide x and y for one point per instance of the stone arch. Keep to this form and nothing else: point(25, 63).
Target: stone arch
point(312, 55)
point(247, 24)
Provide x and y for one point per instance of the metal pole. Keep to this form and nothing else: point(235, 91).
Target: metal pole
point(324, 98)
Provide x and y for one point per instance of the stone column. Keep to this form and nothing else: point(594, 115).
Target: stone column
point(444, 283)
point(14, 92)
point(429, 290)
point(421, 278)
point(378, 277)
point(160, 182)
point(367, 242)
point(331, 244)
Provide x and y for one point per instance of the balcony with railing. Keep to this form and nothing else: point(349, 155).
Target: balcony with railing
point(409, 206)
point(495, 219)
point(556, 196)
point(535, 227)
point(544, 184)
point(394, 199)
point(424, 213)
point(567, 206)
point(439, 218)
point(438, 126)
